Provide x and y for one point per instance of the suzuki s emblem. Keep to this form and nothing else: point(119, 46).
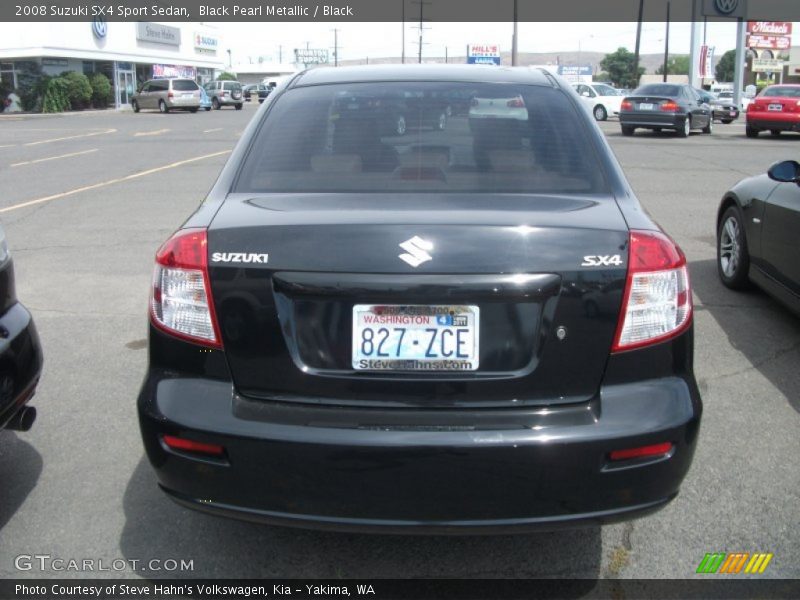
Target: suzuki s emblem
point(416, 251)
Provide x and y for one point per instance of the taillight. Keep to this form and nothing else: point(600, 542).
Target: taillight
point(657, 303)
point(626, 105)
point(170, 95)
point(180, 302)
point(670, 107)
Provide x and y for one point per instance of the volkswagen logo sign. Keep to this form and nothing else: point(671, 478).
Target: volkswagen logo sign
point(726, 7)
point(99, 27)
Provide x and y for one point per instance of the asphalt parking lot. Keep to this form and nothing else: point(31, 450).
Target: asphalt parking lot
point(87, 199)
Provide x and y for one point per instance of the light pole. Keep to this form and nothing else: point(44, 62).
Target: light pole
point(230, 62)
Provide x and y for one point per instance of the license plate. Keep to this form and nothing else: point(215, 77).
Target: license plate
point(733, 113)
point(415, 337)
point(190, 95)
point(775, 107)
point(645, 106)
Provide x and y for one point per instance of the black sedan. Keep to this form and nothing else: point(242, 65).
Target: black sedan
point(373, 332)
point(757, 234)
point(660, 106)
point(20, 351)
point(722, 105)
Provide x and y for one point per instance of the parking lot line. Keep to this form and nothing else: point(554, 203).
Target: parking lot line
point(94, 186)
point(71, 137)
point(210, 130)
point(154, 132)
point(38, 160)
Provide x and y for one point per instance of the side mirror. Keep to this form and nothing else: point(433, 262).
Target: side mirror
point(787, 171)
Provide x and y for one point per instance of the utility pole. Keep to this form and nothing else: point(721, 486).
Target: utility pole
point(514, 38)
point(666, 46)
point(335, 47)
point(422, 4)
point(280, 55)
point(638, 41)
point(402, 32)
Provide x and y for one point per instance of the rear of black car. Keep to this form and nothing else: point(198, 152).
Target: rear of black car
point(370, 331)
point(660, 106)
point(20, 351)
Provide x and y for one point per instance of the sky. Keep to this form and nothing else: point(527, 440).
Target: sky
point(360, 40)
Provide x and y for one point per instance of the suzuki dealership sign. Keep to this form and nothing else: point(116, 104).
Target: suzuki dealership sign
point(205, 43)
point(483, 54)
point(769, 35)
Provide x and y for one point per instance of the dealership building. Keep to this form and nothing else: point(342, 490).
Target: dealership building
point(128, 53)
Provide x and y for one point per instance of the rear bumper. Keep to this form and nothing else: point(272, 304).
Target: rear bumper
point(652, 119)
point(778, 121)
point(20, 361)
point(508, 472)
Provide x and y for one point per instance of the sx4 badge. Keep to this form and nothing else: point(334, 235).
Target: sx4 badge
point(596, 260)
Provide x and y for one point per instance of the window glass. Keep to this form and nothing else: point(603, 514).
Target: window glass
point(184, 85)
point(396, 137)
point(659, 89)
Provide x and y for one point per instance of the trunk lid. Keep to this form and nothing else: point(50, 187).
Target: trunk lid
point(533, 265)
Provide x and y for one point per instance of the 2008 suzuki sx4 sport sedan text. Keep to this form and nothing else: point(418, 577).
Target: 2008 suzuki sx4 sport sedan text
point(464, 324)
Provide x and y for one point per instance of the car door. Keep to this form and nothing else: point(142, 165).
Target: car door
point(701, 112)
point(780, 239)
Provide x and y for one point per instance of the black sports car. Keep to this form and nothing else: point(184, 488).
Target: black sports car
point(364, 331)
point(20, 351)
point(757, 233)
point(660, 106)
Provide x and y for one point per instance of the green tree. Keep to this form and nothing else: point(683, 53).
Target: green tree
point(676, 65)
point(79, 90)
point(56, 97)
point(226, 76)
point(101, 90)
point(619, 66)
point(726, 66)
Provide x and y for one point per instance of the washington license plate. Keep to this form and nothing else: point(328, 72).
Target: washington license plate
point(415, 337)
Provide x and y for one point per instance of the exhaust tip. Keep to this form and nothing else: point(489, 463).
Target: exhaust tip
point(23, 420)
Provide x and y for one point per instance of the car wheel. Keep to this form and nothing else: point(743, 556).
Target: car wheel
point(239, 106)
point(162, 106)
point(687, 127)
point(441, 122)
point(600, 113)
point(710, 127)
point(733, 260)
point(727, 121)
point(207, 108)
point(627, 130)
point(400, 125)
point(751, 132)
point(215, 104)
point(194, 110)
point(774, 132)
point(135, 106)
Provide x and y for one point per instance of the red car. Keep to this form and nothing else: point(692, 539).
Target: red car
point(775, 109)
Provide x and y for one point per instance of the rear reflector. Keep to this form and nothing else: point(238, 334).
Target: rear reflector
point(657, 304)
point(654, 450)
point(185, 445)
point(180, 302)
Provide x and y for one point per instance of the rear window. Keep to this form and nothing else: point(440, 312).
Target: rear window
point(232, 86)
point(184, 85)
point(658, 89)
point(425, 136)
point(781, 91)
